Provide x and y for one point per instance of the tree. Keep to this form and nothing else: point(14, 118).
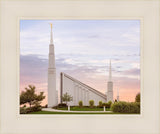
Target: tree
point(138, 98)
point(29, 96)
point(67, 98)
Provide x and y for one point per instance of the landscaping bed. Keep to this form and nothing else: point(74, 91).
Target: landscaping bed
point(84, 108)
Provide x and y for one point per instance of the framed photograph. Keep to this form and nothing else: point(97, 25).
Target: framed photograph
point(89, 67)
point(80, 67)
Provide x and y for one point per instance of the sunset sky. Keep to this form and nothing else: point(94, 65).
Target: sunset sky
point(83, 49)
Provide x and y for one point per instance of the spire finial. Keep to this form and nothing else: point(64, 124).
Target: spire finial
point(110, 72)
point(51, 39)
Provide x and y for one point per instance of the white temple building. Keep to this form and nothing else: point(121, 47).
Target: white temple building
point(78, 90)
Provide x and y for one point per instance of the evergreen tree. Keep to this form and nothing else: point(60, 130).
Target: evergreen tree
point(138, 98)
point(29, 96)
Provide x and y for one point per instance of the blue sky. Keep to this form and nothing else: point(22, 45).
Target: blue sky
point(83, 49)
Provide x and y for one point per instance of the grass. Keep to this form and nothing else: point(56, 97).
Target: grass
point(85, 108)
point(47, 112)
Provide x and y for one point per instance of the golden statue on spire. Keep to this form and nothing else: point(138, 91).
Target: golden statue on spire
point(51, 25)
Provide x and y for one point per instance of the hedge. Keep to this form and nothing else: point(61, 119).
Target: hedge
point(126, 107)
point(107, 105)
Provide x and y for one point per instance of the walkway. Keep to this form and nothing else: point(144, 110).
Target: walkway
point(56, 110)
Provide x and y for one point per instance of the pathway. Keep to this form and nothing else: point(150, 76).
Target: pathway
point(56, 110)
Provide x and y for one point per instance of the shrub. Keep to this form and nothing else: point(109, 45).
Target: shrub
point(80, 103)
point(126, 107)
point(91, 103)
point(138, 104)
point(24, 106)
point(100, 104)
point(23, 110)
point(104, 104)
point(62, 105)
point(55, 107)
point(109, 104)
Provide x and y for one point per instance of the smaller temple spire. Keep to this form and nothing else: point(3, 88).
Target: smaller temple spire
point(117, 94)
point(51, 39)
point(110, 72)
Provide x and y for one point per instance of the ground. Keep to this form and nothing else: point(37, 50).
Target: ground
point(48, 112)
point(75, 110)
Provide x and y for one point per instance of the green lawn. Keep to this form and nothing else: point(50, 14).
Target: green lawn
point(47, 112)
point(76, 108)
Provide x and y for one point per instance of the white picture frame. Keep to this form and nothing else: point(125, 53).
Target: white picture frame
point(147, 11)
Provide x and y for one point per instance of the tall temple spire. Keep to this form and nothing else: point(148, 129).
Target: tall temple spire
point(52, 92)
point(110, 72)
point(51, 39)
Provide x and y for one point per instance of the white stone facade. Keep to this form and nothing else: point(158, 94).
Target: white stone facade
point(52, 92)
point(80, 91)
point(110, 85)
point(110, 91)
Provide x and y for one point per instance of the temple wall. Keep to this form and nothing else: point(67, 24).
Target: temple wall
point(80, 91)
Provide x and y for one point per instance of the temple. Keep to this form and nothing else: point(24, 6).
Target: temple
point(78, 90)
